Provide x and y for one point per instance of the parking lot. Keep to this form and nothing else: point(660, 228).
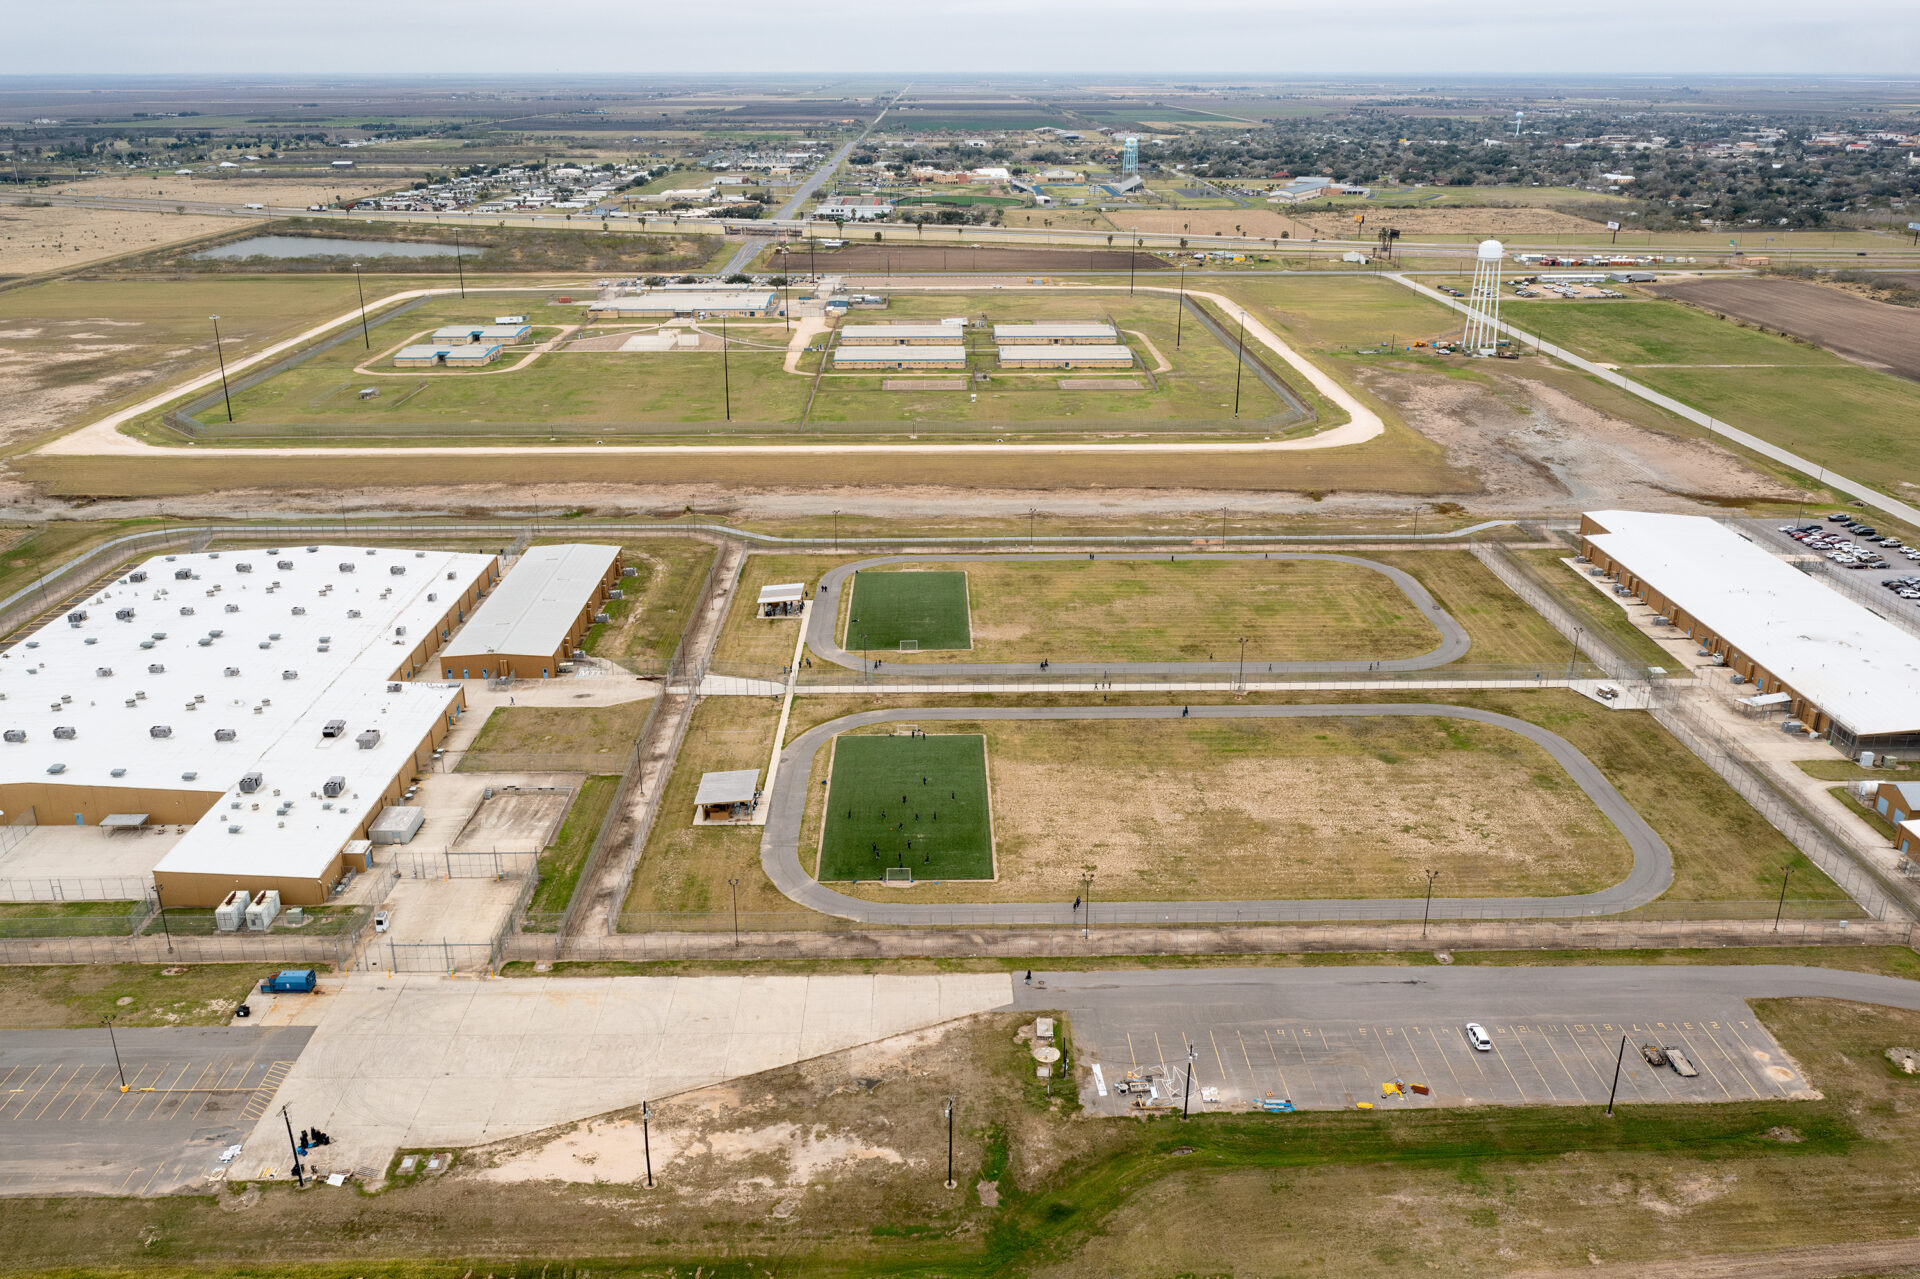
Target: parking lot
point(67, 1128)
point(1267, 1040)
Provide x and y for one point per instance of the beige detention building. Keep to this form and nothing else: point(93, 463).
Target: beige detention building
point(539, 616)
point(1065, 357)
point(858, 359)
point(899, 334)
point(260, 697)
point(1068, 333)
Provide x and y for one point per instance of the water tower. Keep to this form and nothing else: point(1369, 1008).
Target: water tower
point(1483, 300)
point(1130, 156)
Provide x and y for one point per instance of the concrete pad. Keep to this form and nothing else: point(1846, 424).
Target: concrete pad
point(431, 1060)
point(461, 911)
point(77, 854)
point(515, 820)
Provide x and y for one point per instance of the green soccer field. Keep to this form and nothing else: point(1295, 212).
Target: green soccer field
point(917, 802)
point(927, 610)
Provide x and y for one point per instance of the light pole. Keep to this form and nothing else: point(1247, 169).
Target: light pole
point(1086, 904)
point(120, 1069)
point(1180, 311)
point(733, 886)
point(1131, 254)
point(646, 1139)
point(726, 378)
point(1618, 1058)
point(299, 1173)
point(1780, 910)
point(836, 528)
point(1186, 1096)
point(365, 340)
point(1243, 663)
point(950, 1181)
point(458, 265)
point(1239, 365)
point(220, 354)
point(1579, 632)
point(1031, 513)
point(1428, 911)
point(163, 917)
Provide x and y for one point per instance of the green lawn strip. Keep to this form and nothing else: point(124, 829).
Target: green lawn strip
point(935, 836)
point(1873, 819)
point(1659, 332)
point(563, 859)
point(925, 608)
point(33, 995)
point(1845, 770)
point(598, 738)
point(1596, 610)
point(1503, 628)
point(644, 626)
point(63, 910)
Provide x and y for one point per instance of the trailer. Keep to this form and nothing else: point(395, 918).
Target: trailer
point(296, 981)
point(1678, 1060)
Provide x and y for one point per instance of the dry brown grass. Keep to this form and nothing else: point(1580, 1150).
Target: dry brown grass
point(56, 236)
point(1246, 810)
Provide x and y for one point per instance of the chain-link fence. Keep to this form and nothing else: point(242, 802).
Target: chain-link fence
point(84, 919)
point(110, 888)
point(155, 947)
point(446, 863)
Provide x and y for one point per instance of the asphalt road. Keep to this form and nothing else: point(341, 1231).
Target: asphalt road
point(66, 1128)
point(823, 623)
point(1329, 1038)
point(1651, 875)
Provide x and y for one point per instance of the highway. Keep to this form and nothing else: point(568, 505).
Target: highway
point(1652, 872)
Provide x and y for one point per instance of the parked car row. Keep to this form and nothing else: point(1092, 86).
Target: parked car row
point(1870, 551)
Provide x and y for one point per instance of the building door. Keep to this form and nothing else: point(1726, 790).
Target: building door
point(79, 819)
point(544, 674)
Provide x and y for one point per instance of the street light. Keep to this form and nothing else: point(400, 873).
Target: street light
point(1780, 910)
point(733, 885)
point(646, 1139)
point(1186, 1098)
point(221, 355)
point(950, 1182)
point(726, 378)
point(1243, 663)
point(1239, 366)
point(122, 1070)
point(163, 916)
point(1180, 311)
point(365, 340)
point(299, 1173)
point(1428, 911)
point(1086, 903)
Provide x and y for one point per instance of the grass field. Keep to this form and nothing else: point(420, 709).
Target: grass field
point(1175, 810)
point(1598, 611)
point(1341, 312)
point(582, 735)
point(1191, 610)
point(562, 861)
point(1504, 629)
point(926, 610)
point(866, 831)
point(82, 994)
point(643, 627)
point(756, 645)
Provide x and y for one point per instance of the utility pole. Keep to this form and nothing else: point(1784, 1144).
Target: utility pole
point(1086, 904)
point(1031, 513)
point(120, 1069)
point(1239, 366)
point(459, 266)
point(646, 1139)
point(299, 1172)
point(1186, 1097)
point(836, 528)
point(950, 1181)
point(1180, 311)
point(733, 886)
point(163, 916)
point(365, 340)
point(1618, 1058)
point(1780, 910)
point(1428, 912)
point(1243, 663)
point(726, 377)
point(221, 355)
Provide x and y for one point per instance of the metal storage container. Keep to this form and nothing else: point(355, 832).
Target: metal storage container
point(230, 914)
point(396, 825)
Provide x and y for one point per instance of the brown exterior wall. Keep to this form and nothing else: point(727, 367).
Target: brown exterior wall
point(1066, 365)
point(943, 339)
point(56, 805)
point(458, 610)
point(1024, 339)
point(537, 665)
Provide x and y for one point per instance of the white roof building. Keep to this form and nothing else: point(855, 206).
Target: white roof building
point(1860, 670)
point(537, 608)
point(199, 682)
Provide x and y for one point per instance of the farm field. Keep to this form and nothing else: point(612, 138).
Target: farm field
point(901, 610)
point(54, 237)
point(1876, 334)
point(1336, 312)
point(1791, 393)
point(1188, 611)
point(1336, 808)
point(936, 837)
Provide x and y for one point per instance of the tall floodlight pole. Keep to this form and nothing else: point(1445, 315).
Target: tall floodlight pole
point(646, 1139)
point(726, 377)
point(221, 355)
point(950, 1181)
point(1618, 1058)
point(1785, 874)
point(1483, 300)
point(1243, 663)
point(365, 340)
point(1239, 365)
point(299, 1173)
point(115, 1044)
point(1427, 912)
point(1186, 1097)
point(1180, 312)
point(733, 885)
point(1086, 903)
point(458, 265)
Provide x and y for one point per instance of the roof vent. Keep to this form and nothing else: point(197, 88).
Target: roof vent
point(215, 634)
point(397, 570)
point(243, 568)
point(371, 551)
point(78, 616)
point(156, 668)
point(334, 728)
point(227, 735)
point(232, 671)
point(353, 612)
point(160, 730)
point(183, 574)
point(289, 674)
point(65, 732)
point(346, 566)
point(273, 635)
point(233, 608)
point(186, 610)
point(117, 772)
point(283, 565)
point(419, 555)
point(393, 687)
point(56, 768)
point(299, 610)
point(103, 671)
point(334, 786)
point(250, 783)
point(369, 739)
point(124, 615)
point(312, 549)
point(15, 735)
point(189, 777)
point(451, 575)
point(266, 643)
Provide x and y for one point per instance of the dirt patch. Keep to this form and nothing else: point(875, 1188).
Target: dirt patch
point(924, 384)
point(1472, 221)
point(931, 257)
point(56, 236)
point(1534, 445)
point(1268, 223)
point(1876, 334)
point(242, 188)
point(1099, 384)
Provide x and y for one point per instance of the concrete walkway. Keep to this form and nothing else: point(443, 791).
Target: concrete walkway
point(1652, 872)
point(824, 615)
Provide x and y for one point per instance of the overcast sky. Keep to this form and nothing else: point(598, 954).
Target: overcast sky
point(1078, 37)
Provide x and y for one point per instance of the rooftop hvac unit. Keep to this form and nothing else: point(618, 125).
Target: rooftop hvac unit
point(230, 914)
point(103, 671)
point(326, 639)
point(117, 772)
point(159, 635)
point(78, 616)
point(419, 555)
point(369, 739)
point(312, 549)
point(398, 570)
point(186, 610)
point(190, 775)
point(289, 674)
point(146, 643)
point(56, 769)
point(346, 566)
point(432, 596)
point(353, 612)
point(216, 633)
point(156, 668)
point(399, 630)
point(299, 610)
point(233, 828)
point(371, 551)
point(283, 565)
point(232, 671)
point(243, 568)
point(183, 575)
point(273, 635)
point(66, 732)
point(15, 735)
point(333, 786)
point(250, 783)
point(451, 575)
point(125, 615)
point(160, 730)
point(334, 728)
point(138, 575)
point(233, 608)
point(393, 687)
point(226, 735)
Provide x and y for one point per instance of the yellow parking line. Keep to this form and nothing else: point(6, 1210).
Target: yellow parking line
point(1132, 1055)
point(1561, 1062)
point(1162, 1054)
point(1253, 1080)
point(131, 1174)
point(1551, 1095)
point(1407, 1035)
point(82, 1091)
point(59, 1092)
point(1749, 1049)
point(27, 1102)
point(1381, 1039)
point(1706, 1029)
point(1218, 1060)
point(1501, 1058)
point(1277, 1068)
point(1438, 1047)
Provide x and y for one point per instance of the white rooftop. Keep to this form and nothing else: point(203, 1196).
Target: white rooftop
point(286, 654)
point(536, 604)
point(782, 593)
point(1855, 665)
point(1064, 329)
point(1064, 353)
point(896, 332)
point(691, 300)
point(736, 787)
point(881, 354)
